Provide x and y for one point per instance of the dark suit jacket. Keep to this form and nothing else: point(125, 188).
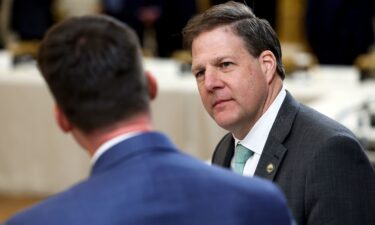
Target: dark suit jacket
point(319, 165)
point(145, 180)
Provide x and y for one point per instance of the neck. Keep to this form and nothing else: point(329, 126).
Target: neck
point(273, 92)
point(92, 141)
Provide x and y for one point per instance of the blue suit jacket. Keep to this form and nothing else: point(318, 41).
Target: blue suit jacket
point(146, 180)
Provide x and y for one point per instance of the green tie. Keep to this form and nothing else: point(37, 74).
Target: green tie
point(241, 155)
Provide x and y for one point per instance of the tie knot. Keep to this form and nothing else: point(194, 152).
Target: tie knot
point(241, 155)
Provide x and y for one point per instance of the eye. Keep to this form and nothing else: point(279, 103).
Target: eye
point(199, 73)
point(225, 64)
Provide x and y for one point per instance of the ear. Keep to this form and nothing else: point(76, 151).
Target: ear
point(152, 85)
point(61, 120)
point(268, 64)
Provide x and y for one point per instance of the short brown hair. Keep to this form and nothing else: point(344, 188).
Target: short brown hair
point(93, 67)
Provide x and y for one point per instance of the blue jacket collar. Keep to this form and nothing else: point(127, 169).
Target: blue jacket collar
point(135, 145)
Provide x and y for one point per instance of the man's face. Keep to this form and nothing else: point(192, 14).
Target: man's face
point(231, 82)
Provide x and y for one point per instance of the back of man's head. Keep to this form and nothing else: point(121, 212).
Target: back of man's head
point(93, 67)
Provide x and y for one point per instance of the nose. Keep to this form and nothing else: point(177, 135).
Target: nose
point(212, 80)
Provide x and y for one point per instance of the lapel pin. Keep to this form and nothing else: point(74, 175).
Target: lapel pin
point(270, 168)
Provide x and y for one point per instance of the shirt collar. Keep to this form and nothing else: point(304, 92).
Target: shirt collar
point(257, 136)
point(110, 143)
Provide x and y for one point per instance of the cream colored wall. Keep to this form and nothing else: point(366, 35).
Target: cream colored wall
point(69, 8)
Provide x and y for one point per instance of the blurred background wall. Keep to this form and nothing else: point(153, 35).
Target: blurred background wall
point(333, 31)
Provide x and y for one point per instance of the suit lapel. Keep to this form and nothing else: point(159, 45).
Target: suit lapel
point(274, 150)
point(270, 160)
point(224, 151)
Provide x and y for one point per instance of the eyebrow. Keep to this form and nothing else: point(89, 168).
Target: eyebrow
point(196, 68)
point(215, 61)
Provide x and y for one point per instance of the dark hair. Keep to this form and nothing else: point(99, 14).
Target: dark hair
point(257, 33)
point(93, 67)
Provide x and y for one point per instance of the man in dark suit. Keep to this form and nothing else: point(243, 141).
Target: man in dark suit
point(319, 164)
point(93, 67)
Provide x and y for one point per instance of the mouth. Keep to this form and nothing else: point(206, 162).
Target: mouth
point(220, 102)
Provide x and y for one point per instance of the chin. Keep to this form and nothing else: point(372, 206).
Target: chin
point(226, 124)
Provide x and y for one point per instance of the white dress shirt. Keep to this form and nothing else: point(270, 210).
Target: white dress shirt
point(257, 136)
